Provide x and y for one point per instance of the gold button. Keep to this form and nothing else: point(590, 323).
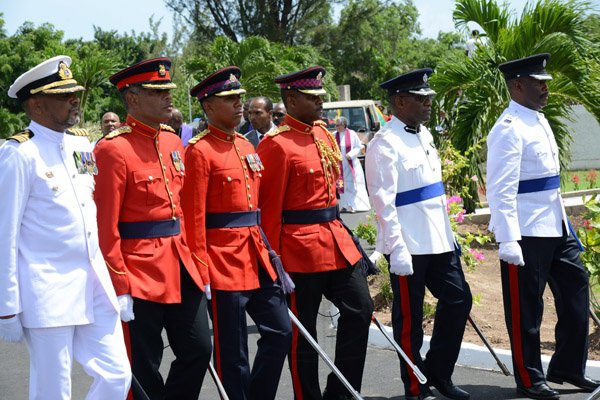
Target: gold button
point(160, 155)
point(238, 149)
point(150, 178)
point(228, 137)
point(245, 168)
point(249, 196)
point(164, 168)
point(241, 157)
point(174, 218)
point(174, 206)
point(312, 171)
point(167, 180)
point(228, 179)
point(248, 186)
point(259, 175)
point(171, 194)
point(250, 206)
point(247, 177)
point(307, 130)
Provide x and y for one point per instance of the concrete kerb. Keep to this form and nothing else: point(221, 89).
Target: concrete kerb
point(473, 356)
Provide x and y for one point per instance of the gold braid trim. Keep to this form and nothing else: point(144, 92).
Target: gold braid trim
point(114, 270)
point(198, 258)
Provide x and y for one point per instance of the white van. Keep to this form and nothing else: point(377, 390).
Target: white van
point(362, 116)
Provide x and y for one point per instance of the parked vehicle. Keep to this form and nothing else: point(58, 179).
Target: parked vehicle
point(363, 116)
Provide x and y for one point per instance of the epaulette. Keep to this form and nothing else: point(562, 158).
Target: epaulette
point(165, 127)
point(319, 122)
point(77, 132)
point(242, 136)
point(280, 129)
point(22, 137)
point(198, 137)
point(118, 131)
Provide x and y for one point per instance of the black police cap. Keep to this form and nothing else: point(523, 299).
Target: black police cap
point(533, 66)
point(416, 82)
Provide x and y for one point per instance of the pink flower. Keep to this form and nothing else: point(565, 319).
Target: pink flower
point(454, 199)
point(460, 217)
point(477, 255)
point(474, 178)
point(587, 224)
point(575, 179)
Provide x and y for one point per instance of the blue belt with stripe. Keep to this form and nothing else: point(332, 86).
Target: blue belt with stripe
point(236, 219)
point(149, 229)
point(315, 216)
point(547, 183)
point(539, 184)
point(419, 194)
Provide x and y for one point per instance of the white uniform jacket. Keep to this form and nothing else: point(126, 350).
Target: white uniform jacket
point(49, 254)
point(398, 161)
point(521, 147)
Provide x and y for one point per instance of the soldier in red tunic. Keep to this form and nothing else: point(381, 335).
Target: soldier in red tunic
point(220, 204)
point(301, 219)
point(141, 231)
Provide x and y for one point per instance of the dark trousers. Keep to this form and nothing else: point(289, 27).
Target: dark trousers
point(347, 289)
point(268, 309)
point(187, 329)
point(442, 274)
point(554, 261)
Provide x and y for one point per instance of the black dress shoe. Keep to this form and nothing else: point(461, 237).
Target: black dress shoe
point(449, 389)
point(582, 382)
point(541, 391)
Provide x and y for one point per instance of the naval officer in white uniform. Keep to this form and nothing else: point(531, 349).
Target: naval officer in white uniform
point(55, 291)
point(413, 231)
point(537, 247)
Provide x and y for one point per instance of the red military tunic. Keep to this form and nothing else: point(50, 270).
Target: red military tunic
point(140, 176)
point(300, 174)
point(220, 180)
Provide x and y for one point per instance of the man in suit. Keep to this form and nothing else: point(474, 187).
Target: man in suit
point(142, 236)
point(54, 287)
point(260, 114)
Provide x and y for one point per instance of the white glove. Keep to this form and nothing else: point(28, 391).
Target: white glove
point(126, 307)
point(511, 253)
point(401, 261)
point(11, 329)
point(207, 292)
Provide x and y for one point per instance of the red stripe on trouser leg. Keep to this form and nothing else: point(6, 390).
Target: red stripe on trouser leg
point(127, 337)
point(515, 312)
point(294, 353)
point(217, 343)
point(405, 335)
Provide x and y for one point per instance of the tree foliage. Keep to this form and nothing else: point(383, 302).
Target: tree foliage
point(472, 92)
point(280, 21)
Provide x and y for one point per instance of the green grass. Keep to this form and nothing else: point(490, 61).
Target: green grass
point(586, 180)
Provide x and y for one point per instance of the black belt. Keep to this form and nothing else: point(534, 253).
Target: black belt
point(310, 216)
point(149, 229)
point(233, 219)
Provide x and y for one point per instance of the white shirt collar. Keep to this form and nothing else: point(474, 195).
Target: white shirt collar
point(46, 133)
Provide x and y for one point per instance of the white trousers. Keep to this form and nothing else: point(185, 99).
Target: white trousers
point(99, 347)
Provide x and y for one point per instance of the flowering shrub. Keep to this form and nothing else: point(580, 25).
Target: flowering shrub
point(575, 179)
point(471, 257)
point(591, 178)
point(589, 235)
point(367, 230)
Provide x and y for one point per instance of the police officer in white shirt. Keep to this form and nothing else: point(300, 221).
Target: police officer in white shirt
point(55, 291)
point(537, 245)
point(404, 180)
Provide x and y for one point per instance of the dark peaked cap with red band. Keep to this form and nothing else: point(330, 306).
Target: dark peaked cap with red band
point(309, 81)
point(149, 74)
point(224, 82)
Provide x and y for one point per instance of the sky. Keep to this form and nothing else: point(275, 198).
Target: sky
point(77, 18)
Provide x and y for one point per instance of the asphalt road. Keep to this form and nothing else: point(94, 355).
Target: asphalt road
point(381, 377)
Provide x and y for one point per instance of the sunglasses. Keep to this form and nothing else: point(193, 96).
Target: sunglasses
point(421, 98)
point(278, 115)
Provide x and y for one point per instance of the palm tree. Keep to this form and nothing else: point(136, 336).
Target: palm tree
point(473, 92)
